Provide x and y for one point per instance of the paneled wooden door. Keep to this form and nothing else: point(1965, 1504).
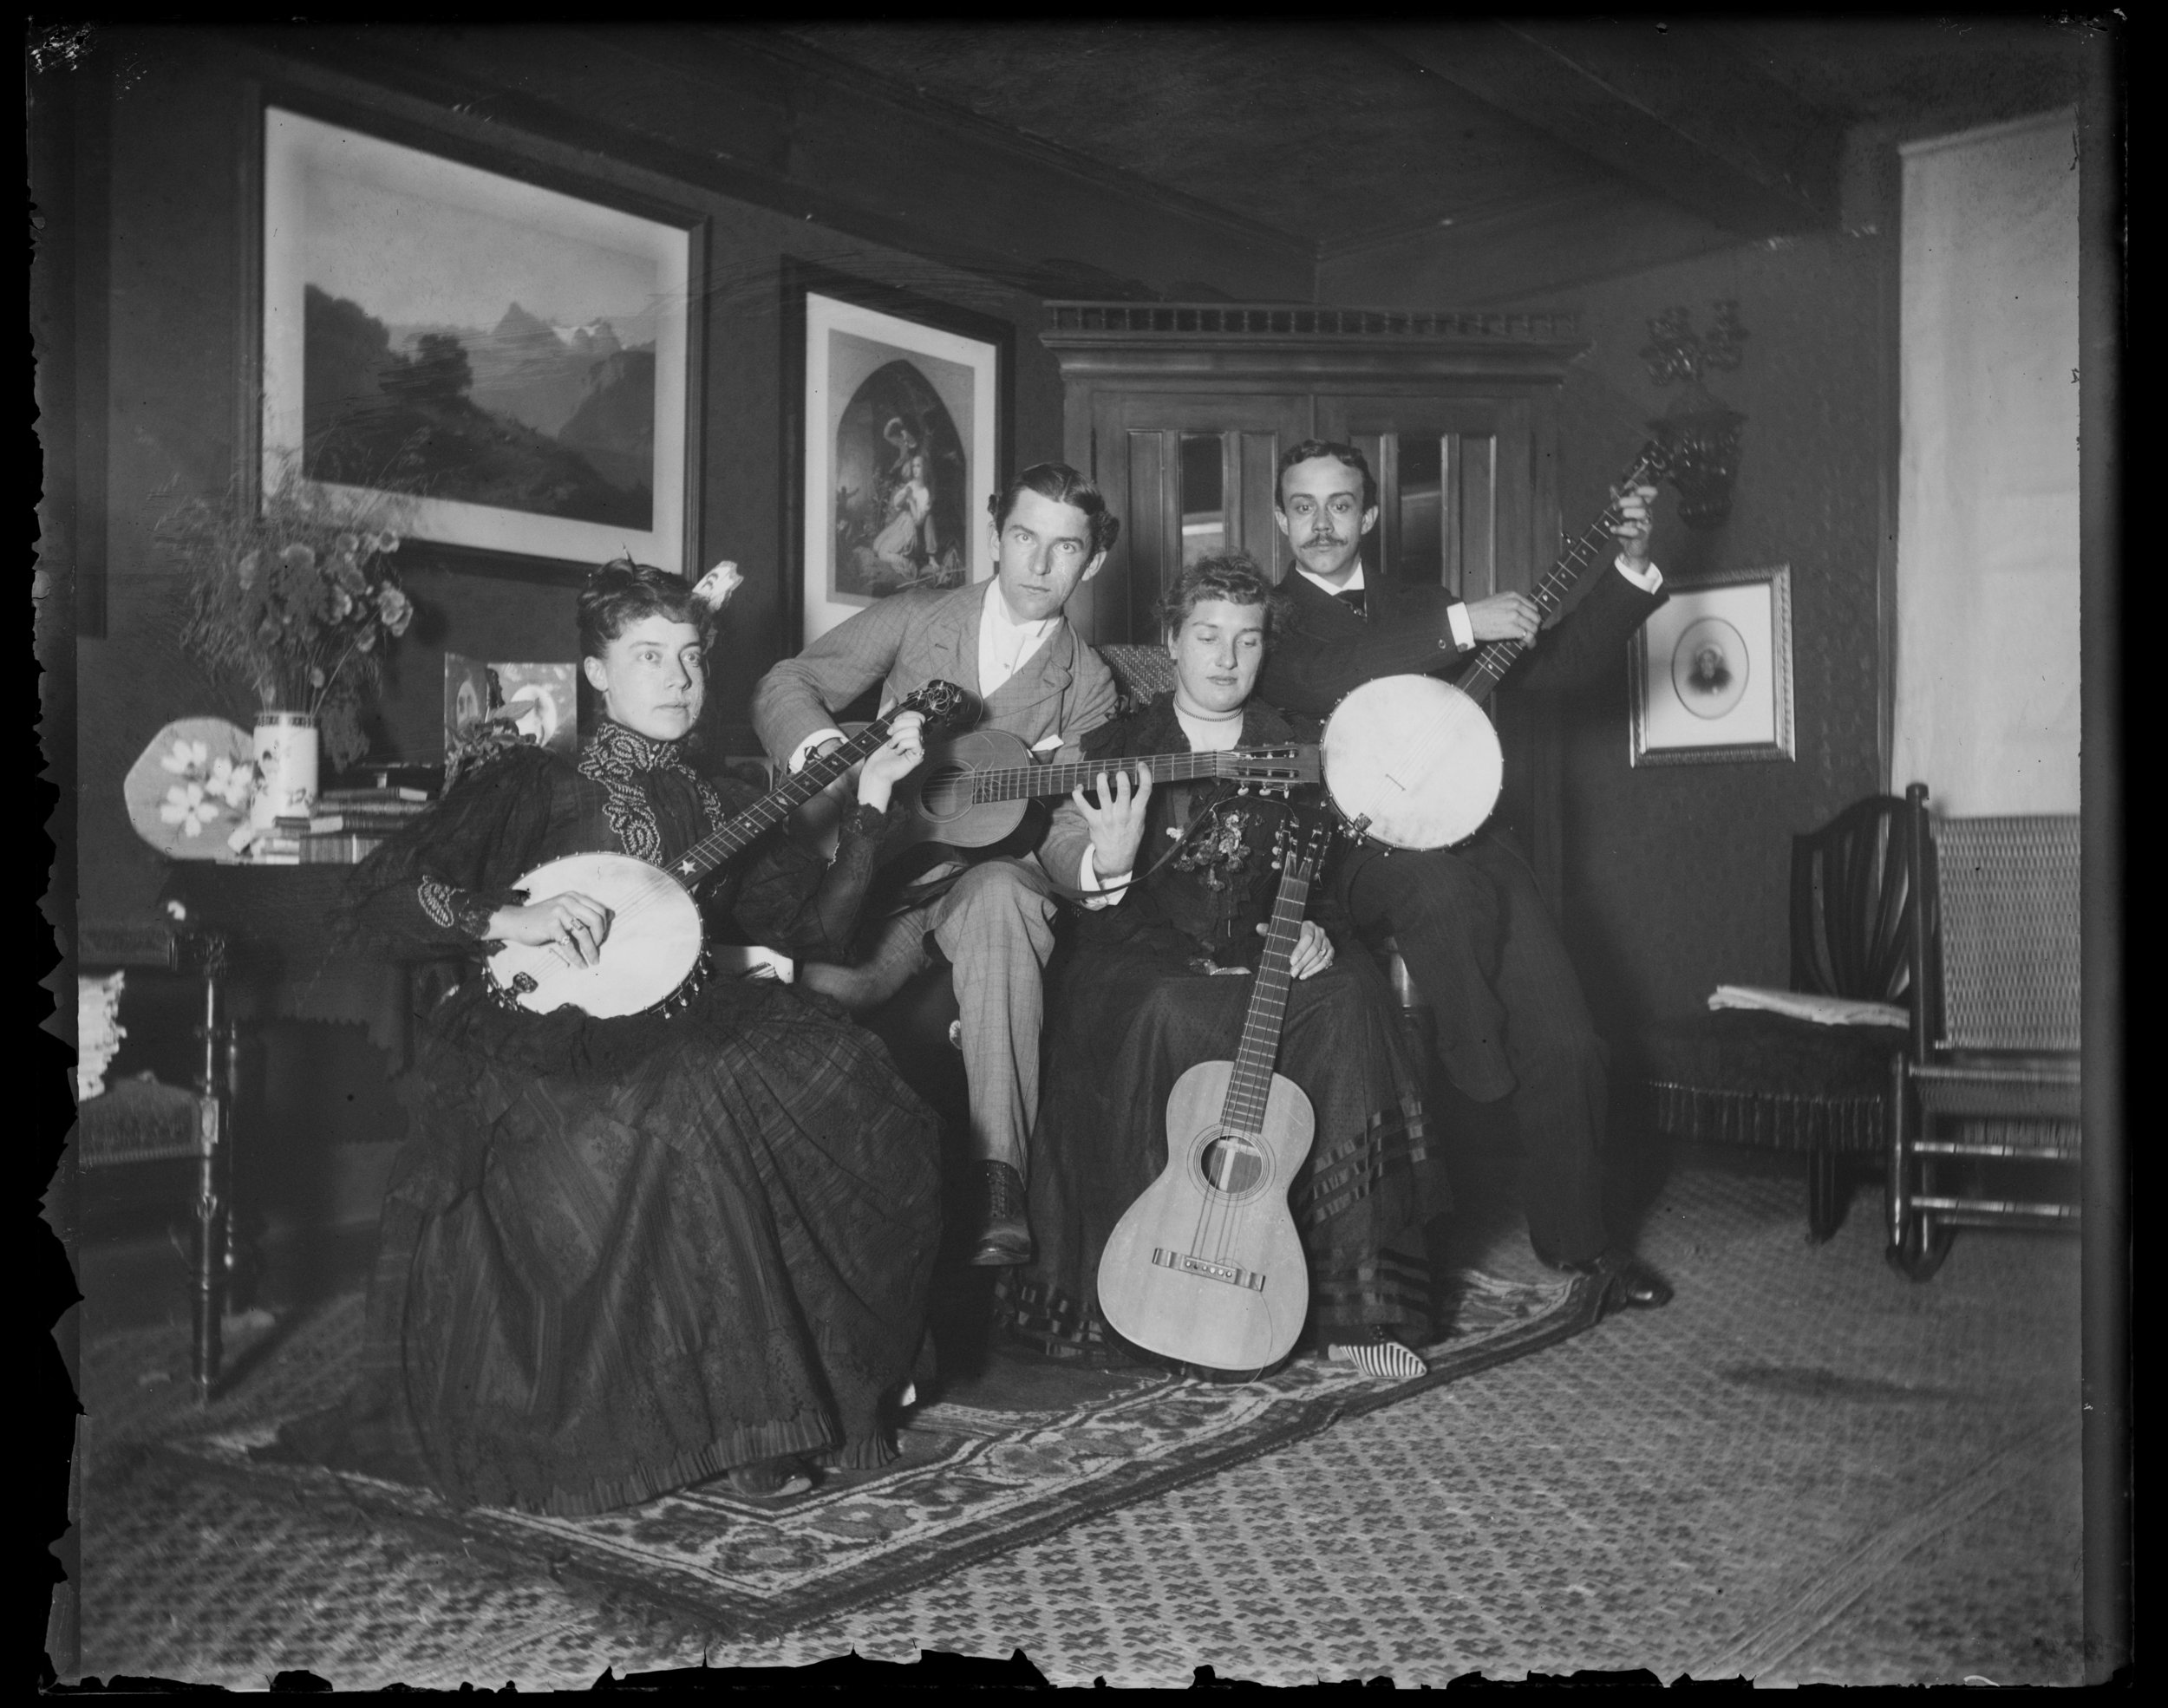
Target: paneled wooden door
point(1463, 500)
point(1190, 474)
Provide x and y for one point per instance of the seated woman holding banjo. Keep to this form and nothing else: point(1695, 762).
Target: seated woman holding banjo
point(629, 1244)
point(1138, 1017)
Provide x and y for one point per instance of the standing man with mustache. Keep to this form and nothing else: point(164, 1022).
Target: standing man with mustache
point(1007, 640)
point(1469, 922)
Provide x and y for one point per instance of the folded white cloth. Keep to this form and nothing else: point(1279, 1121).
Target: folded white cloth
point(1823, 1010)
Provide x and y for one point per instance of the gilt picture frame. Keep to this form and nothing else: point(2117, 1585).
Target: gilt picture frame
point(1711, 672)
point(897, 414)
point(513, 353)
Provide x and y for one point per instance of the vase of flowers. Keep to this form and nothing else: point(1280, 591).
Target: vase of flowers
point(295, 600)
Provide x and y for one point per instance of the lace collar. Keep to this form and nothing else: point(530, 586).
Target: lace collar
point(620, 758)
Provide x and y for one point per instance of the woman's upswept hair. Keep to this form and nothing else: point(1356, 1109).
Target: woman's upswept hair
point(622, 592)
point(1234, 577)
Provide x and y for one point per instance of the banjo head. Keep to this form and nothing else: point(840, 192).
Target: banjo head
point(653, 944)
point(1415, 757)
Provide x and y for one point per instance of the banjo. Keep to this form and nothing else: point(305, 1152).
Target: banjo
point(652, 956)
point(1414, 762)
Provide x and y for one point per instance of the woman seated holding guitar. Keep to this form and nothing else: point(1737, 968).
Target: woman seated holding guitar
point(1153, 986)
point(620, 1255)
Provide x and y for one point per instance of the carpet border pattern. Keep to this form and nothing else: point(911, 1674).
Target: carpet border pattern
point(1236, 1425)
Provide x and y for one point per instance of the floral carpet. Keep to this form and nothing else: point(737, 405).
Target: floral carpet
point(990, 1466)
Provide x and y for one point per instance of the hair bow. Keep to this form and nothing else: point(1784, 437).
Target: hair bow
point(714, 589)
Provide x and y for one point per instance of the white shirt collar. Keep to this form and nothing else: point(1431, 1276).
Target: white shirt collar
point(998, 618)
point(1349, 585)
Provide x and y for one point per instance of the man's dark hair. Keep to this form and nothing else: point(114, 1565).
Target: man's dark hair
point(1234, 577)
point(1063, 485)
point(1325, 447)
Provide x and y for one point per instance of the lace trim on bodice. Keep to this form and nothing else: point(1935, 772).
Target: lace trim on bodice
point(618, 758)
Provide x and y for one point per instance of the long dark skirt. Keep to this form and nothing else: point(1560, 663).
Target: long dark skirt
point(1126, 1020)
point(621, 1256)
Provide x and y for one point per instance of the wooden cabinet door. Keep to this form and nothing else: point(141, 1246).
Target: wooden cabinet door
point(1189, 474)
point(1464, 498)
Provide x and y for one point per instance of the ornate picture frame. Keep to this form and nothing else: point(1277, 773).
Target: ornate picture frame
point(519, 360)
point(1711, 672)
point(897, 422)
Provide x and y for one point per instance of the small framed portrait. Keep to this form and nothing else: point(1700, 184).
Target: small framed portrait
point(519, 361)
point(1712, 671)
point(901, 414)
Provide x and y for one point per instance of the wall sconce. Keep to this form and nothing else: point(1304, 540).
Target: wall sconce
point(1699, 433)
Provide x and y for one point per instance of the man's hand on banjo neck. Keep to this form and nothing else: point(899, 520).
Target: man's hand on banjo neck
point(1515, 616)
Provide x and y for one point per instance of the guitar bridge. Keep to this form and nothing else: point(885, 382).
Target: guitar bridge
point(1186, 1264)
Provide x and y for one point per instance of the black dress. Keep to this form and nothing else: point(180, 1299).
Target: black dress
point(621, 1255)
point(1135, 1003)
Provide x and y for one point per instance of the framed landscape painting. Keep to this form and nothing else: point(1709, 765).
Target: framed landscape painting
point(516, 358)
point(1711, 671)
point(898, 439)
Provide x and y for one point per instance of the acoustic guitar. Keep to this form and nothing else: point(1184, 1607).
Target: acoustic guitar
point(652, 955)
point(974, 787)
point(1413, 762)
point(1206, 1267)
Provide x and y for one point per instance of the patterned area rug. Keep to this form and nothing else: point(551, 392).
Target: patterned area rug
point(992, 1467)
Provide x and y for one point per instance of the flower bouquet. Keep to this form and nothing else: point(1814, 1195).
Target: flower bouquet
point(295, 600)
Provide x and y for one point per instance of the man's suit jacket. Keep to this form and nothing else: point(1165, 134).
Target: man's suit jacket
point(1324, 651)
point(909, 639)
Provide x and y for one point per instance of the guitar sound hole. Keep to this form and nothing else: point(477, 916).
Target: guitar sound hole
point(947, 791)
point(1233, 1165)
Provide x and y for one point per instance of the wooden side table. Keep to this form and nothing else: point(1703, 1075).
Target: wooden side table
point(143, 1121)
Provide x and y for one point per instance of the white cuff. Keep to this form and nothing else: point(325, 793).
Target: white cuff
point(1463, 625)
point(1087, 880)
point(1649, 580)
point(804, 750)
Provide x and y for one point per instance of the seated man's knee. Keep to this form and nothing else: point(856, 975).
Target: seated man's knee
point(998, 894)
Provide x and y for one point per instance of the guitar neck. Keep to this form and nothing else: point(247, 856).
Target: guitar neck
point(1250, 1083)
point(1026, 781)
point(1550, 594)
point(735, 837)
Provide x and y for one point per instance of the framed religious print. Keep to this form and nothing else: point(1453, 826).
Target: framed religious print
point(1711, 671)
point(902, 406)
point(516, 359)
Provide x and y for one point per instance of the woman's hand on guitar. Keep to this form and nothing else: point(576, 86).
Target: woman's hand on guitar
point(1117, 822)
point(1313, 950)
point(893, 760)
point(572, 921)
point(1504, 616)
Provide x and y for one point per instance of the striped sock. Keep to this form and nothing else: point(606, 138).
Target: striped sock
point(1380, 1357)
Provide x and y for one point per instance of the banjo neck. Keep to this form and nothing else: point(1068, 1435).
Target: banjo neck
point(1496, 657)
point(711, 851)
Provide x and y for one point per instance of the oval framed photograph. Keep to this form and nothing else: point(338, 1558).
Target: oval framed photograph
point(1710, 668)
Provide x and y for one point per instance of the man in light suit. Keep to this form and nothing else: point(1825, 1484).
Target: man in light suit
point(1469, 922)
point(1007, 641)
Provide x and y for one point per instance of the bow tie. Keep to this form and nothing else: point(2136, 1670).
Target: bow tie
point(1352, 598)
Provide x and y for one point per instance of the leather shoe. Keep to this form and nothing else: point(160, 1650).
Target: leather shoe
point(1004, 1235)
point(1629, 1284)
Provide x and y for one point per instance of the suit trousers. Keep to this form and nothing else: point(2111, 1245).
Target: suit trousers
point(995, 925)
point(1480, 943)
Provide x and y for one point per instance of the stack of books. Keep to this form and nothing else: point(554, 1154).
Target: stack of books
point(346, 826)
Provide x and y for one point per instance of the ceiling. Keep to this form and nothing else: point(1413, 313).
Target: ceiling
point(1342, 137)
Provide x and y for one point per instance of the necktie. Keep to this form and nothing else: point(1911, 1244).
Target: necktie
point(1352, 598)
